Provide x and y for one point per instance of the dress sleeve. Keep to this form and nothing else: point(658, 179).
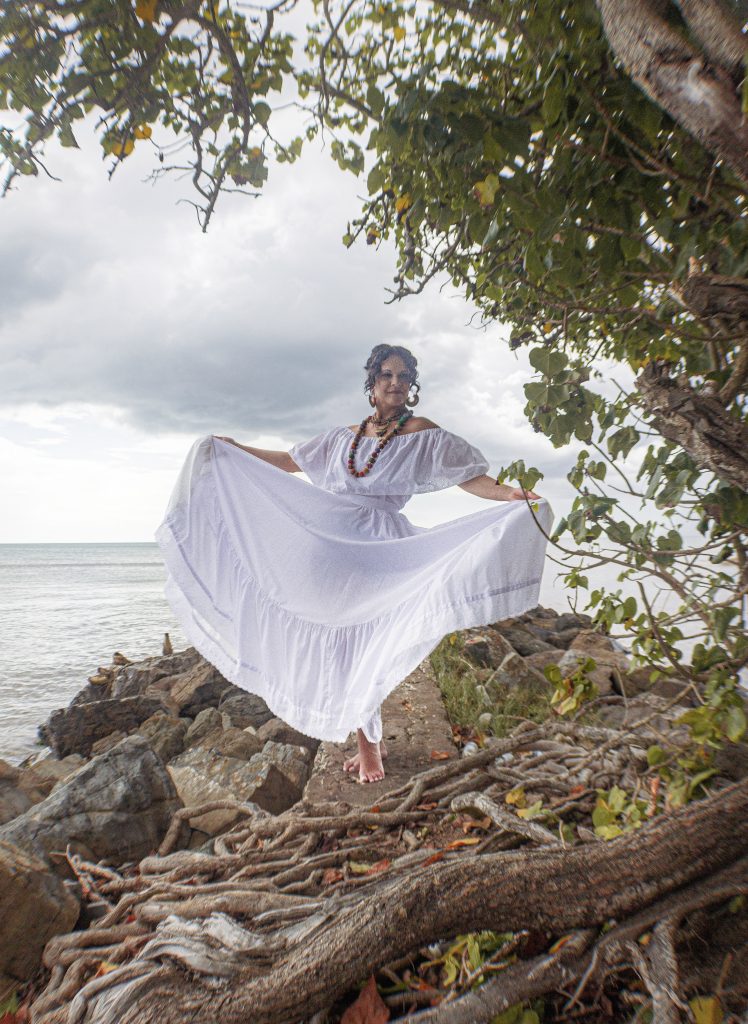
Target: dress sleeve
point(311, 456)
point(447, 460)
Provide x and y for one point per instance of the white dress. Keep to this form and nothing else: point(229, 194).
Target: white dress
point(322, 597)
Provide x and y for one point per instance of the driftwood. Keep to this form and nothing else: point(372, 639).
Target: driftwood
point(282, 921)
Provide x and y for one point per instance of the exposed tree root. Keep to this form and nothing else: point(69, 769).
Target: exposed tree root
point(293, 911)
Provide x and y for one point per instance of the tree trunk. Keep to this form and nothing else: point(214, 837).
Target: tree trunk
point(716, 440)
point(296, 970)
point(696, 91)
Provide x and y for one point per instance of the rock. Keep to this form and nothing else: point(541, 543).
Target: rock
point(167, 648)
point(165, 733)
point(610, 663)
point(76, 729)
point(136, 677)
point(280, 732)
point(42, 776)
point(732, 760)
point(621, 716)
point(487, 648)
point(539, 661)
point(13, 801)
point(118, 806)
point(272, 779)
point(245, 709)
point(92, 693)
point(571, 620)
point(564, 638)
point(208, 721)
point(233, 742)
point(200, 687)
point(523, 640)
point(515, 671)
point(636, 681)
point(119, 659)
point(37, 904)
point(107, 742)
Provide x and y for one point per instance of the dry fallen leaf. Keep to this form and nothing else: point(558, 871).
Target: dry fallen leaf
point(104, 968)
point(369, 1008)
point(473, 823)
point(330, 875)
point(457, 843)
point(440, 755)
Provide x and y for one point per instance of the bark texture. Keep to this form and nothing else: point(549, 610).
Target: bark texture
point(714, 438)
point(693, 85)
point(290, 973)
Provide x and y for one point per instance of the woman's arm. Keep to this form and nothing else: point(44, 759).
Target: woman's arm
point(486, 487)
point(280, 459)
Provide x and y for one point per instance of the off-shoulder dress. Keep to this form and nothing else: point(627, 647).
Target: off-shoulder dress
point(321, 597)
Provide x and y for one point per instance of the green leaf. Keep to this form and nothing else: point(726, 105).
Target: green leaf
point(548, 361)
point(735, 723)
point(262, 112)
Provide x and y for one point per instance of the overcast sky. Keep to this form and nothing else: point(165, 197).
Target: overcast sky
point(125, 333)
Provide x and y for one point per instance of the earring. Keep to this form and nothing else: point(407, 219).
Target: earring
point(412, 401)
point(372, 401)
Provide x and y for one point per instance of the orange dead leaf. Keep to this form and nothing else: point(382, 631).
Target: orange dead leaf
point(330, 875)
point(457, 843)
point(473, 823)
point(433, 858)
point(440, 755)
point(379, 865)
point(577, 790)
point(426, 806)
point(146, 9)
point(407, 705)
point(369, 1008)
point(104, 968)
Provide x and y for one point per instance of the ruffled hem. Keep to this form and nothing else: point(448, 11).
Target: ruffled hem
point(194, 613)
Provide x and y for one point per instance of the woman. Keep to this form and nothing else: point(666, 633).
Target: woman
point(322, 599)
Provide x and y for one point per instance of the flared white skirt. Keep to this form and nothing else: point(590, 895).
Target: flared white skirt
point(322, 603)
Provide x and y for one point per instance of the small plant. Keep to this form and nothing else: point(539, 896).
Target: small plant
point(615, 814)
point(571, 691)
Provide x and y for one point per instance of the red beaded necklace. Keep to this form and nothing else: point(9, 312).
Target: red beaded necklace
point(380, 445)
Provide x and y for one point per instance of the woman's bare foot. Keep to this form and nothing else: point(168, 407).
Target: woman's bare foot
point(368, 760)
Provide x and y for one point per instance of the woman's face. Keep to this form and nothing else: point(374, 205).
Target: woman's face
point(392, 383)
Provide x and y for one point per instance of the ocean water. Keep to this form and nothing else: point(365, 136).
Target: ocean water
point(64, 610)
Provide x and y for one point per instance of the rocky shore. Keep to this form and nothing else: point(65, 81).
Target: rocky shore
point(143, 740)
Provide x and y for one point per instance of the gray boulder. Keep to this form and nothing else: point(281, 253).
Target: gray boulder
point(166, 734)
point(36, 905)
point(515, 671)
point(38, 779)
point(200, 687)
point(118, 806)
point(273, 779)
point(135, 679)
point(611, 663)
point(486, 648)
point(206, 723)
point(244, 708)
point(76, 729)
point(280, 732)
point(13, 801)
point(523, 640)
point(233, 742)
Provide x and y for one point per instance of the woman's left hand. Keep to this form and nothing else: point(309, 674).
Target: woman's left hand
point(517, 494)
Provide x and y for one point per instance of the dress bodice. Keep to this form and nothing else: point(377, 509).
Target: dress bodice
point(425, 460)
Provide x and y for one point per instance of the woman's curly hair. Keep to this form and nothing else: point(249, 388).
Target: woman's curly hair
point(378, 355)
